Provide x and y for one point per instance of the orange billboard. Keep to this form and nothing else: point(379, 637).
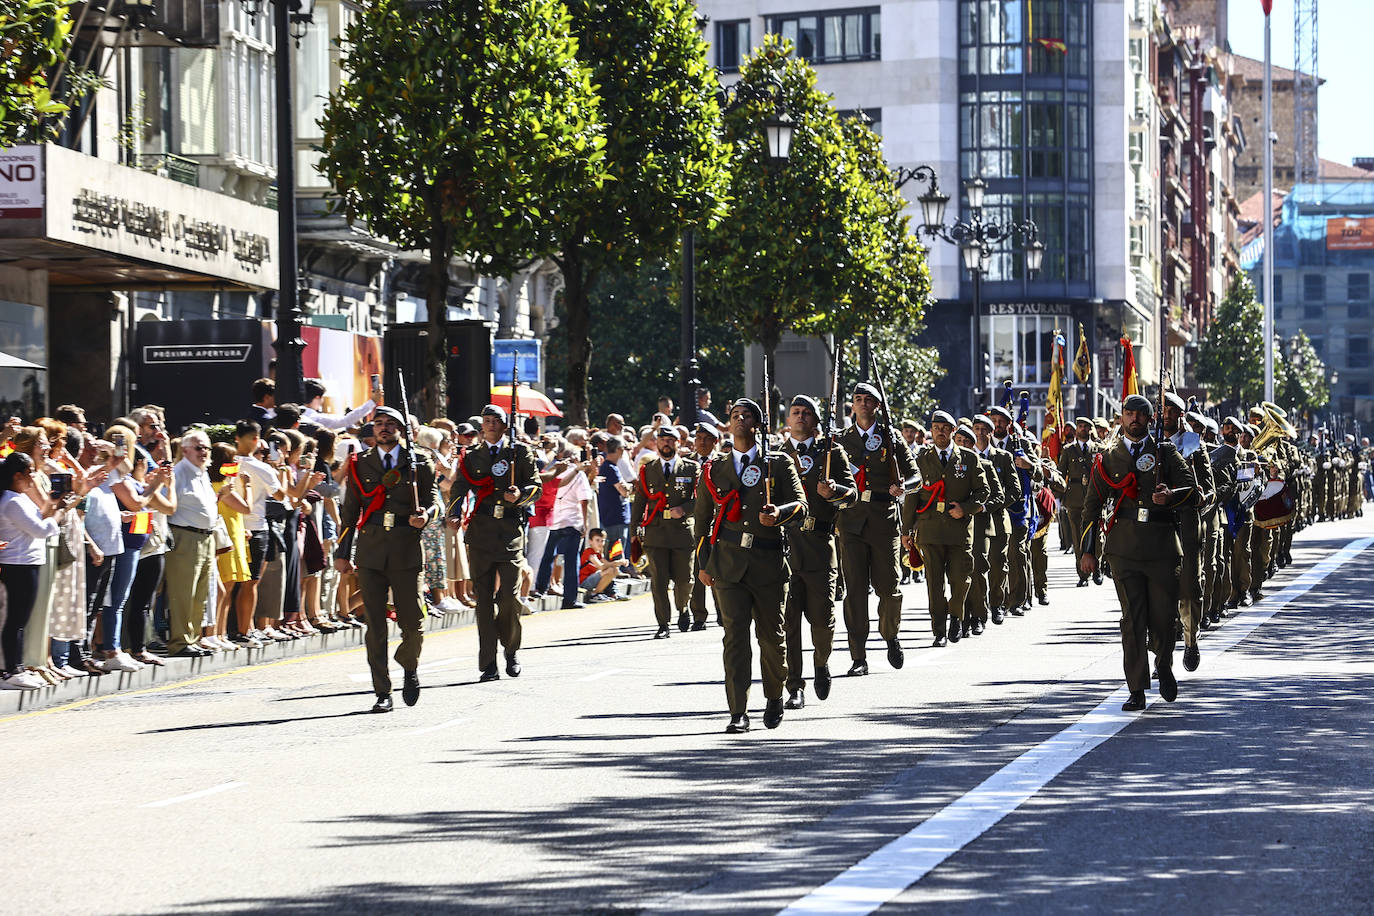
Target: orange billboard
point(1345, 234)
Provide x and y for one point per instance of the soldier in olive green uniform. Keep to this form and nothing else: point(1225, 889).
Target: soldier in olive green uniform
point(665, 498)
point(1040, 537)
point(825, 476)
point(1008, 438)
point(705, 439)
point(942, 511)
point(1247, 468)
point(1076, 463)
point(1012, 496)
point(1214, 566)
point(740, 542)
point(976, 605)
point(884, 471)
point(386, 515)
point(1141, 481)
point(1188, 523)
point(500, 473)
point(1225, 471)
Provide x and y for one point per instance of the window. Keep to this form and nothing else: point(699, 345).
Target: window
point(1359, 388)
point(1022, 346)
point(1357, 287)
point(832, 37)
point(1049, 37)
point(1318, 345)
point(1357, 310)
point(1313, 287)
point(1313, 312)
point(732, 44)
point(1357, 353)
point(874, 117)
point(1278, 287)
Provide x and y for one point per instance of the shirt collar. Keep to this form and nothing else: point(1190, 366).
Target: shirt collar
point(745, 457)
point(804, 442)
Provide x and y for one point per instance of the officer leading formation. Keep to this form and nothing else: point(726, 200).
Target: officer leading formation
point(1188, 515)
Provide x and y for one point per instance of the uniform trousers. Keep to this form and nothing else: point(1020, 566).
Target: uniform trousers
point(976, 605)
point(952, 565)
point(404, 586)
point(997, 571)
point(870, 559)
point(740, 604)
point(1018, 568)
point(1148, 592)
point(698, 600)
point(1076, 525)
point(498, 606)
point(1240, 563)
point(1040, 563)
point(1261, 545)
point(670, 567)
point(1189, 526)
point(810, 595)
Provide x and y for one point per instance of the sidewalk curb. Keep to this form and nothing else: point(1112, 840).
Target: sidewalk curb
point(182, 669)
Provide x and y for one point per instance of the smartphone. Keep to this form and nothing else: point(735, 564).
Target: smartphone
point(376, 385)
point(61, 483)
point(273, 452)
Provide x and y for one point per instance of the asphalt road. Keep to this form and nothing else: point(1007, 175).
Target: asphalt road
point(601, 780)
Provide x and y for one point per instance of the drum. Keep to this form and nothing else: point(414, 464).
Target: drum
point(1273, 511)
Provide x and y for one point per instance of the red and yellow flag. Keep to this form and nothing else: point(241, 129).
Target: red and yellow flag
point(617, 550)
point(1053, 45)
point(1130, 381)
point(141, 523)
point(1082, 360)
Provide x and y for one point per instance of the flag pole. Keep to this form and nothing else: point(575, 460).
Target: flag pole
point(1268, 212)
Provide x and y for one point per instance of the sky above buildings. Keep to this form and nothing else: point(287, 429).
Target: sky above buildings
point(1344, 129)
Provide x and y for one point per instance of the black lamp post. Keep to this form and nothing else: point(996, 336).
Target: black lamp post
point(975, 238)
point(290, 18)
point(777, 131)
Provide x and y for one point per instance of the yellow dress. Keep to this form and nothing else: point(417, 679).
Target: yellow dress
point(233, 564)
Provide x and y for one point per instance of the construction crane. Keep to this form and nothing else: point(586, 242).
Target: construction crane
point(1306, 167)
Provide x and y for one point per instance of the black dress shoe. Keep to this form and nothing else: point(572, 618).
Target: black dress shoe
point(998, 616)
point(796, 699)
point(977, 628)
point(940, 642)
point(1097, 578)
point(1281, 561)
point(737, 724)
point(1018, 611)
point(383, 704)
point(572, 607)
point(512, 666)
point(662, 633)
point(1256, 596)
point(1082, 583)
point(1191, 658)
point(190, 652)
point(1043, 599)
point(956, 631)
point(858, 669)
point(698, 626)
point(1168, 686)
point(410, 688)
point(1244, 601)
point(822, 682)
point(684, 621)
point(489, 673)
point(1204, 622)
point(1136, 703)
point(772, 713)
point(895, 656)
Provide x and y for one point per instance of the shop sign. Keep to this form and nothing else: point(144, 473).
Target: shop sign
point(21, 182)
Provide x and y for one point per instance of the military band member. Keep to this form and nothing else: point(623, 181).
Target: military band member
point(1214, 567)
point(499, 471)
point(1261, 538)
point(1076, 463)
point(1012, 497)
point(386, 514)
point(1008, 439)
point(942, 511)
point(1235, 434)
point(1188, 523)
point(976, 605)
point(823, 468)
point(665, 498)
point(1139, 481)
point(884, 471)
point(740, 542)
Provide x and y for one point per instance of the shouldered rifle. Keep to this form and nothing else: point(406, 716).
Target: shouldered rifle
point(832, 426)
point(767, 428)
point(885, 428)
point(410, 439)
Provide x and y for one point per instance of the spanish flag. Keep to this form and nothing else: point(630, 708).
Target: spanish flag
point(228, 470)
point(617, 550)
point(1130, 382)
point(1053, 45)
point(141, 523)
point(1082, 360)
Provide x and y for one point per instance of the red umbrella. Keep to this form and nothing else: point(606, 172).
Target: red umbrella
point(532, 403)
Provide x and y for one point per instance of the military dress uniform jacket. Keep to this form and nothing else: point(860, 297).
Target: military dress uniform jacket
point(732, 544)
point(811, 544)
point(385, 539)
point(660, 493)
point(872, 457)
point(1223, 461)
point(1010, 481)
point(496, 528)
point(1076, 464)
point(960, 482)
point(1124, 488)
point(1194, 452)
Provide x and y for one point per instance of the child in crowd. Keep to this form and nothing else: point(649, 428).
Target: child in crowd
point(597, 574)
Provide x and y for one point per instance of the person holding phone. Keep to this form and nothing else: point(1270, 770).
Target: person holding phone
point(28, 518)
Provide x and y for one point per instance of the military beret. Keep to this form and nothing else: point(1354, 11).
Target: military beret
point(802, 400)
point(998, 410)
point(492, 410)
point(1086, 421)
point(1101, 423)
point(1251, 430)
point(1174, 400)
point(751, 406)
point(909, 423)
point(964, 431)
point(1234, 422)
point(668, 429)
point(941, 416)
point(865, 388)
point(984, 419)
point(1349, 437)
point(1257, 411)
point(709, 429)
point(1211, 425)
point(391, 413)
point(1138, 402)
point(466, 429)
point(965, 421)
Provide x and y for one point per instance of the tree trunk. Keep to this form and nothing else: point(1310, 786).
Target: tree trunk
point(434, 399)
point(579, 317)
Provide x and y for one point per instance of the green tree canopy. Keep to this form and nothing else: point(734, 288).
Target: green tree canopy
point(666, 164)
point(1230, 362)
point(1300, 377)
point(462, 129)
point(34, 34)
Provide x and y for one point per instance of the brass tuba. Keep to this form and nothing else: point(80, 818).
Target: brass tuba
point(1276, 427)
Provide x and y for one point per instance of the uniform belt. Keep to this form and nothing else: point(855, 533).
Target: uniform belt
point(812, 525)
point(204, 532)
point(747, 540)
point(880, 497)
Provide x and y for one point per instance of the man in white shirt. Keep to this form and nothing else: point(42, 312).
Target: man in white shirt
point(193, 546)
point(565, 533)
point(262, 483)
point(314, 400)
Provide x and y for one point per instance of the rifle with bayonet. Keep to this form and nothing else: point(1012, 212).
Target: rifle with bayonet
point(767, 429)
point(832, 426)
point(410, 439)
point(885, 429)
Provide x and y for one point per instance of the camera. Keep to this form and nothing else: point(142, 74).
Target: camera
point(61, 483)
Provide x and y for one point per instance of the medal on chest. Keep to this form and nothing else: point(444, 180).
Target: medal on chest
point(1145, 463)
point(391, 478)
point(960, 469)
point(807, 463)
point(500, 467)
point(873, 442)
point(751, 475)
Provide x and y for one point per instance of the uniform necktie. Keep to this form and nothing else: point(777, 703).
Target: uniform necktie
point(1135, 451)
point(386, 462)
point(801, 449)
point(944, 458)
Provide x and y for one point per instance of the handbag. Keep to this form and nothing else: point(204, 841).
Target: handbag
point(223, 542)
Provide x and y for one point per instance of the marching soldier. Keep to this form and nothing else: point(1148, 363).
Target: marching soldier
point(665, 498)
point(383, 545)
point(1039, 538)
point(1007, 439)
point(741, 551)
point(976, 605)
point(1214, 556)
point(1188, 523)
point(705, 439)
point(869, 528)
point(1247, 468)
point(952, 493)
point(499, 471)
point(1009, 481)
point(1261, 538)
point(1076, 463)
point(1139, 481)
point(829, 486)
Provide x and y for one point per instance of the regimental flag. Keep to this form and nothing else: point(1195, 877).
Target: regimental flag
point(141, 523)
point(1054, 399)
point(617, 550)
point(1053, 45)
point(1130, 380)
point(1082, 360)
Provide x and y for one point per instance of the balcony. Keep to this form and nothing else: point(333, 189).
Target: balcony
point(177, 168)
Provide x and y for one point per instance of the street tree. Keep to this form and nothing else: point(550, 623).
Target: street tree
point(34, 36)
point(463, 129)
point(667, 168)
point(909, 370)
point(1230, 363)
point(1300, 376)
point(814, 244)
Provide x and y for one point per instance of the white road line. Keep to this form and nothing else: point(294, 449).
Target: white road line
point(891, 869)
point(434, 728)
point(599, 675)
point(213, 790)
